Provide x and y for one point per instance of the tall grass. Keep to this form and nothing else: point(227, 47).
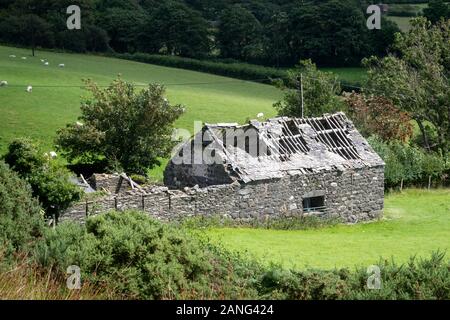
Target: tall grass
point(27, 281)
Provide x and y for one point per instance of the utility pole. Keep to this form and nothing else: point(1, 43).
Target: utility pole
point(301, 94)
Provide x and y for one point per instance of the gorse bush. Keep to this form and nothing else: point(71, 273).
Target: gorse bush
point(418, 279)
point(48, 179)
point(139, 257)
point(20, 219)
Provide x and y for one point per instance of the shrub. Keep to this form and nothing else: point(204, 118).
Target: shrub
point(418, 279)
point(49, 180)
point(139, 257)
point(408, 163)
point(23, 157)
point(20, 219)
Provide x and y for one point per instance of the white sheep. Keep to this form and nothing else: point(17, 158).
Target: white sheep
point(46, 63)
point(260, 115)
point(53, 154)
point(29, 89)
point(24, 58)
point(3, 83)
point(42, 60)
point(79, 124)
point(12, 56)
point(61, 65)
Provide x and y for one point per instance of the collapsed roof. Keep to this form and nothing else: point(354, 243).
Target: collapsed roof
point(288, 146)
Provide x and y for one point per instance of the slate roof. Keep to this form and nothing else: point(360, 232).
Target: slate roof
point(292, 146)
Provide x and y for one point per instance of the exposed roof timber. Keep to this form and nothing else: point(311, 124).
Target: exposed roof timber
point(301, 147)
point(345, 139)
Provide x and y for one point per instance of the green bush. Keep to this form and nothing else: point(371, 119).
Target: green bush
point(20, 219)
point(23, 157)
point(418, 279)
point(408, 163)
point(139, 257)
point(49, 180)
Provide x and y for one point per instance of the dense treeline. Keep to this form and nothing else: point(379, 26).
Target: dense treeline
point(270, 32)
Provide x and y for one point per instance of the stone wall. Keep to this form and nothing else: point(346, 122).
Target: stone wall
point(354, 195)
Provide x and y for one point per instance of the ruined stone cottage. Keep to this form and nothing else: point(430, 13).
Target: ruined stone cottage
point(285, 166)
point(278, 168)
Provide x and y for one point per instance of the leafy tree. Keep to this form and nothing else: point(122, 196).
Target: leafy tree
point(380, 40)
point(130, 129)
point(175, 29)
point(320, 90)
point(29, 30)
point(49, 181)
point(20, 218)
point(375, 115)
point(436, 10)
point(239, 34)
point(418, 79)
point(123, 27)
point(276, 40)
point(330, 32)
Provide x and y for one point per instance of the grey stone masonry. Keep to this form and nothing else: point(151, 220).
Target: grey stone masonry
point(354, 195)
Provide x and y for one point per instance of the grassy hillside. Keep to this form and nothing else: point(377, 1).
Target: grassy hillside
point(415, 222)
point(55, 99)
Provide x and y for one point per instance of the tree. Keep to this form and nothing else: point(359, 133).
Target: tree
point(239, 34)
point(417, 79)
point(374, 115)
point(380, 40)
point(330, 32)
point(175, 29)
point(49, 181)
point(436, 10)
point(320, 90)
point(123, 27)
point(130, 129)
point(276, 40)
point(20, 218)
point(29, 30)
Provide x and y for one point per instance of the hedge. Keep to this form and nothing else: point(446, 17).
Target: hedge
point(238, 70)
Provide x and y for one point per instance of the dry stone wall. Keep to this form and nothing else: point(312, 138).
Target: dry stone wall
point(354, 195)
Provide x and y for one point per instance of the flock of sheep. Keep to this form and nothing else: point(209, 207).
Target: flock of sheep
point(4, 83)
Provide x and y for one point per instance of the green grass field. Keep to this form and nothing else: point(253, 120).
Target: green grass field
point(402, 22)
point(416, 222)
point(352, 76)
point(39, 114)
